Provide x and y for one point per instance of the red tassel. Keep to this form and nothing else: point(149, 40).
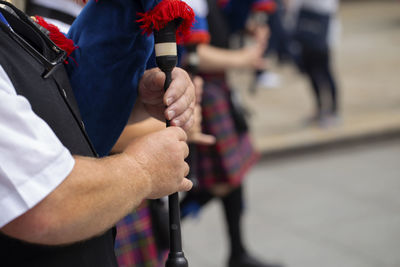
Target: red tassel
point(164, 12)
point(57, 37)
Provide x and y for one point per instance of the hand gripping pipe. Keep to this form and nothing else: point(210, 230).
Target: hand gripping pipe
point(167, 20)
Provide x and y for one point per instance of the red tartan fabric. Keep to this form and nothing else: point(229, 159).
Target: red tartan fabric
point(231, 157)
point(135, 245)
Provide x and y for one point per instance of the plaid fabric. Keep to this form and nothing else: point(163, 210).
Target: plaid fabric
point(231, 157)
point(135, 245)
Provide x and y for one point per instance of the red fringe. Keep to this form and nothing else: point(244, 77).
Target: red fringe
point(264, 6)
point(57, 37)
point(197, 37)
point(164, 12)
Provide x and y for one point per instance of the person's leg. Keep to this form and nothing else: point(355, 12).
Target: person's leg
point(233, 208)
point(330, 82)
point(233, 204)
point(310, 65)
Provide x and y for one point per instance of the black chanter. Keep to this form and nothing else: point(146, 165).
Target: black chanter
point(166, 59)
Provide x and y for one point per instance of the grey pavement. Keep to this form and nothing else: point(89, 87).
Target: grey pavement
point(334, 208)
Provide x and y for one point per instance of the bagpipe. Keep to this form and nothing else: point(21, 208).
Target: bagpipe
point(170, 20)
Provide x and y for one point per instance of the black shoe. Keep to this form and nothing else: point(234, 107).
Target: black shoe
point(248, 261)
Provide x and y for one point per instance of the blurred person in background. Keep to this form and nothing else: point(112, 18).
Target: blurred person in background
point(278, 41)
point(278, 45)
point(314, 33)
point(221, 168)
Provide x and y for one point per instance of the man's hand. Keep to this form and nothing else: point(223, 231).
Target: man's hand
point(160, 157)
point(176, 105)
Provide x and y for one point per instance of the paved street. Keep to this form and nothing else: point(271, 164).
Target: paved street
point(336, 208)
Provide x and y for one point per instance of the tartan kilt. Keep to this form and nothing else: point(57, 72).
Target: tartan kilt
point(135, 244)
point(231, 157)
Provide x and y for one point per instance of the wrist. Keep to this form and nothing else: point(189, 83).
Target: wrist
point(139, 179)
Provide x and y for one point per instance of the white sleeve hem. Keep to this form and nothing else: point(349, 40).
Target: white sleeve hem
point(37, 188)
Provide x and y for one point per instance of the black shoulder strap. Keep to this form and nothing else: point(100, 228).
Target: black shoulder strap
point(31, 38)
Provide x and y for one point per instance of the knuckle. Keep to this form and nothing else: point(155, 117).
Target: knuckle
point(181, 132)
point(189, 124)
point(186, 115)
point(187, 100)
point(186, 150)
point(187, 169)
point(188, 185)
point(192, 108)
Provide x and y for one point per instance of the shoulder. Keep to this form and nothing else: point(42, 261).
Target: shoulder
point(33, 161)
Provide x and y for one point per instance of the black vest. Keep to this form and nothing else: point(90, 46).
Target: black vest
point(52, 100)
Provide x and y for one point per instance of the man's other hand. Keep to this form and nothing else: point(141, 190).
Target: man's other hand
point(176, 105)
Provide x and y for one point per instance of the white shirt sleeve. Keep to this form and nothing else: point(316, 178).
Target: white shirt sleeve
point(33, 162)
